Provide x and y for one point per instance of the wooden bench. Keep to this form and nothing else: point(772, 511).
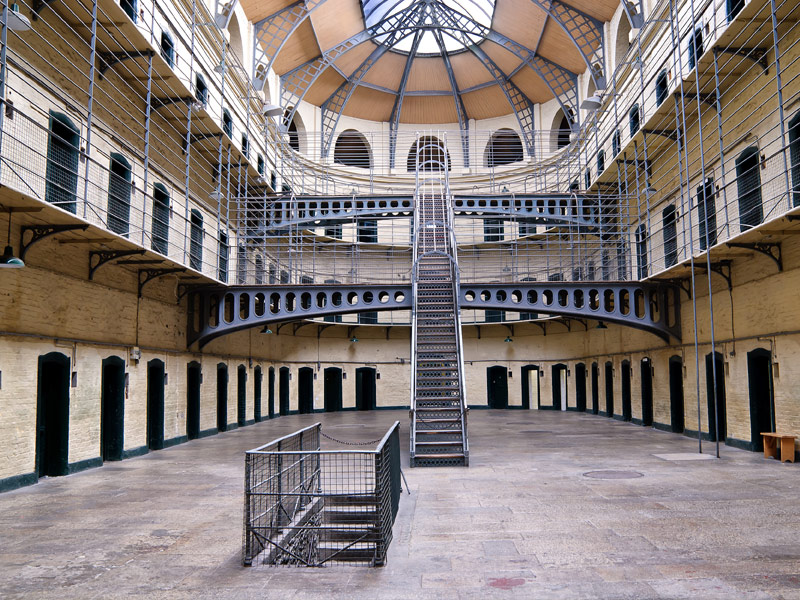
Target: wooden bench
point(771, 441)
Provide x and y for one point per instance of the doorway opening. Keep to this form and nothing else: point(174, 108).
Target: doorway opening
point(366, 388)
point(258, 380)
point(530, 386)
point(626, 391)
point(305, 390)
point(762, 401)
point(222, 397)
point(717, 421)
point(155, 404)
point(193, 380)
point(241, 396)
point(609, 389)
point(112, 408)
point(646, 375)
point(52, 415)
point(559, 384)
point(283, 391)
point(676, 418)
point(497, 387)
point(595, 389)
point(271, 392)
point(333, 389)
point(580, 387)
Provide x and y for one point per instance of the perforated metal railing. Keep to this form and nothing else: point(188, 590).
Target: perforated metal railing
point(305, 506)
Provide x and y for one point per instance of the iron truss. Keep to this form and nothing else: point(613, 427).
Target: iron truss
point(537, 209)
point(652, 307)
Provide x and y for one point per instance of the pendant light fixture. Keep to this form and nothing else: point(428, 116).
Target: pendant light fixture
point(8, 260)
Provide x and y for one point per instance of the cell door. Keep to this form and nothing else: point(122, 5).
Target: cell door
point(717, 421)
point(497, 387)
point(112, 408)
point(530, 386)
point(271, 392)
point(193, 376)
point(222, 397)
point(52, 415)
point(626, 391)
point(676, 416)
point(283, 391)
point(762, 404)
point(258, 380)
point(559, 385)
point(241, 396)
point(646, 375)
point(580, 387)
point(155, 404)
point(333, 389)
point(305, 390)
point(595, 389)
point(609, 389)
point(365, 388)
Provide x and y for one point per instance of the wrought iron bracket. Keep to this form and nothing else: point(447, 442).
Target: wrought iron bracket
point(683, 284)
point(772, 250)
point(757, 55)
point(40, 232)
point(151, 274)
point(321, 328)
point(157, 103)
point(667, 133)
point(109, 59)
point(297, 326)
point(722, 268)
point(541, 325)
point(106, 256)
point(199, 137)
point(186, 288)
point(708, 99)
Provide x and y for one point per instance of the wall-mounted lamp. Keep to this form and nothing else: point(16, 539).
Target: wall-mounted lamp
point(266, 329)
point(8, 260)
point(271, 110)
point(508, 339)
point(593, 102)
point(16, 20)
point(354, 339)
point(601, 325)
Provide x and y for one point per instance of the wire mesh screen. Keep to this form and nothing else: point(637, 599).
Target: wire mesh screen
point(304, 506)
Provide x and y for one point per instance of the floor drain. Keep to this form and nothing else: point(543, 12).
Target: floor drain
point(613, 474)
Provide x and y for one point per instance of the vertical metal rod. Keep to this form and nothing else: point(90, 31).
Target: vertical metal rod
point(3, 76)
point(89, 105)
point(718, 100)
point(779, 81)
point(189, 136)
point(147, 119)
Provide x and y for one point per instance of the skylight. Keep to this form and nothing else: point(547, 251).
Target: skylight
point(426, 15)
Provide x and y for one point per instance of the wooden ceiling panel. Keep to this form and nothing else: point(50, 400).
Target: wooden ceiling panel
point(258, 10)
point(336, 21)
point(428, 74)
point(300, 48)
point(504, 59)
point(602, 10)
point(486, 103)
point(558, 47)
point(520, 20)
point(532, 86)
point(388, 71)
point(430, 109)
point(370, 104)
point(324, 86)
point(469, 70)
point(349, 61)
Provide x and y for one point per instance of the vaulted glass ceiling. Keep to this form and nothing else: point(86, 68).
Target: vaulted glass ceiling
point(421, 25)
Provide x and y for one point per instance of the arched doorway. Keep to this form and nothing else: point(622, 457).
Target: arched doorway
point(497, 386)
point(112, 408)
point(283, 391)
point(715, 374)
point(155, 404)
point(646, 375)
point(366, 392)
point(193, 380)
point(609, 389)
point(222, 397)
point(333, 389)
point(580, 387)
point(305, 390)
point(432, 155)
point(271, 392)
point(52, 415)
point(258, 380)
point(595, 388)
point(530, 386)
point(559, 385)
point(762, 402)
point(676, 416)
point(241, 396)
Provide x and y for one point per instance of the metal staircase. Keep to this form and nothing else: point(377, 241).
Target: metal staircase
point(438, 400)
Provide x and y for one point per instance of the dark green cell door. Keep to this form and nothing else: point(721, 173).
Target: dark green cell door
point(626, 391)
point(52, 415)
point(676, 418)
point(155, 404)
point(497, 386)
point(61, 176)
point(112, 408)
point(646, 368)
point(595, 389)
point(193, 379)
point(717, 421)
point(222, 397)
point(559, 372)
point(609, 389)
point(580, 387)
point(333, 389)
point(305, 390)
point(241, 396)
point(762, 405)
point(283, 391)
point(271, 392)
point(258, 381)
point(530, 378)
point(365, 388)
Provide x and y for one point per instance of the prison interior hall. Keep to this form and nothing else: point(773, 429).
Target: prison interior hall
point(381, 260)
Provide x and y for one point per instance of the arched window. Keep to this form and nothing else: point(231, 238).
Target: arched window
point(601, 162)
point(196, 240)
point(222, 262)
point(201, 89)
point(669, 228)
point(588, 178)
point(794, 157)
point(641, 250)
point(432, 155)
point(167, 48)
point(352, 150)
point(61, 177)
point(734, 8)
point(160, 224)
point(748, 184)
point(119, 194)
point(634, 119)
point(504, 148)
point(227, 123)
point(561, 130)
point(616, 143)
point(246, 146)
point(695, 48)
point(291, 128)
point(260, 165)
point(235, 34)
point(623, 40)
point(367, 231)
point(707, 214)
point(661, 88)
point(129, 8)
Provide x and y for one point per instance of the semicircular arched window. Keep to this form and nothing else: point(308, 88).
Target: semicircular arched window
point(504, 148)
point(352, 150)
point(430, 153)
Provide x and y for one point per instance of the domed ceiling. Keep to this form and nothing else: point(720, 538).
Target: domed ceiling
point(430, 61)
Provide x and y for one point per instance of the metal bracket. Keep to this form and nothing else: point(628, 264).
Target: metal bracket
point(106, 256)
point(388, 329)
point(156, 103)
point(541, 325)
point(667, 133)
point(709, 99)
point(199, 137)
point(757, 55)
point(720, 267)
point(681, 283)
point(151, 274)
point(40, 232)
point(773, 250)
point(350, 330)
point(281, 326)
point(321, 328)
point(297, 326)
point(109, 59)
point(187, 288)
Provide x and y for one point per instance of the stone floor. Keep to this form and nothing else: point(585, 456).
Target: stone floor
point(524, 520)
